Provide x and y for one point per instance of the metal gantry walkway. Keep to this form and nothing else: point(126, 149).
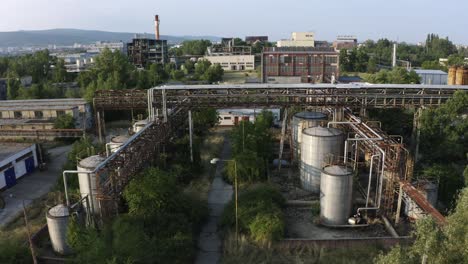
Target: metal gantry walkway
point(280, 95)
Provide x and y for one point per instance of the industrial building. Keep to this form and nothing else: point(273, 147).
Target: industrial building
point(299, 65)
point(231, 117)
point(41, 113)
point(435, 77)
point(345, 42)
point(298, 39)
point(3, 89)
point(16, 161)
point(233, 62)
point(230, 57)
point(143, 51)
point(255, 39)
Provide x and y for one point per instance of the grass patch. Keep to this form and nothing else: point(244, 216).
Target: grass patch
point(249, 252)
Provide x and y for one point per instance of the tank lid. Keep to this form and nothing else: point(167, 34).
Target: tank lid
point(336, 170)
point(119, 139)
point(322, 131)
point(59, 210)
point(91, 162)
point(310, 115)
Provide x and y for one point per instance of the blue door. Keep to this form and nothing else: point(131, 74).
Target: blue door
point(10, 177)
point(29, 162)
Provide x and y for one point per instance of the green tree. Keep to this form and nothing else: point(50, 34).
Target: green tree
point(60, 72)
point(433, 243)
point(201, 67)
point(214, 73)
point(64, 122)
point(194, 47)
point(177, 75)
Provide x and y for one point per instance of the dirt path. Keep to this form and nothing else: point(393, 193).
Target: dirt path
point(209, 240)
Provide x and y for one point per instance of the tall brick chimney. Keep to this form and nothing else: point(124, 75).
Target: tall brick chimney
point(156, 25)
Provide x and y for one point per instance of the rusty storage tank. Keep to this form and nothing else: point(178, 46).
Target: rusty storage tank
point(318, 144)
point(459, 79)
point(88, 182)
point(465, 76)
point(301, 121)
point(336, 192)
point(117, 142)
point(138, 126)
point(452, 76)
point(57, 224)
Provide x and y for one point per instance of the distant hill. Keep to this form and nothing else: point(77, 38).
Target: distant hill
point(67, 37)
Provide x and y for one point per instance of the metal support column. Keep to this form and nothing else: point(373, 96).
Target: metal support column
point(416, 134)
point(398, 210)
point(99, 126)
point(191, 134)
point(283, 132)
point(164, 105)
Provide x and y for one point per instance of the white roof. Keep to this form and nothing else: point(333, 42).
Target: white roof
point(421, 71)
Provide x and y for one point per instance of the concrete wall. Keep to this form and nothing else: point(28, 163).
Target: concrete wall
point(233, 62)
point(20, 166)
point(298, 39)
point(30, 114)
point(28, 126)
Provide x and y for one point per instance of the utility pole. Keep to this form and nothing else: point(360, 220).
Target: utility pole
point(31, 245)
point(283, 132)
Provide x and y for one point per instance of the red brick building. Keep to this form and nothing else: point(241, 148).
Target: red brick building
point(299, 65)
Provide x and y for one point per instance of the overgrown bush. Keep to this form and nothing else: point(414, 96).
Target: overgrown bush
point(14, 252)
point(260, 213)
point(159, 227)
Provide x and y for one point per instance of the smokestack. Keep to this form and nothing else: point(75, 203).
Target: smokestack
point(394, 55)
point(156, 25)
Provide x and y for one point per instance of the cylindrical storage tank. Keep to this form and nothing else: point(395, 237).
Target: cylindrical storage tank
point(138, 126)
point(336, 187)
point(465, 76)
point(303, 120)
point(459, 79)
point(88, 182)
point(452, 76)
point(57, 223)
point(117, 142)
point(318, 144)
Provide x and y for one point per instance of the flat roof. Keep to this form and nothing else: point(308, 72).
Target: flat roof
point(421, 71)
point(36, 107)
point(311, 86)
point(44, 102)
point(10, 149)
point(6, 122)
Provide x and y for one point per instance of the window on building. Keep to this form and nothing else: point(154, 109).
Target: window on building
point(301, 59)
point(330, 59)
point(60, 113)
point(18, 114)
point(285, 59)
point(227, 118)
point(38, 114)
point(1, 114)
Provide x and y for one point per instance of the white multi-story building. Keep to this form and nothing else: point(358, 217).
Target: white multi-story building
point(233, 62)
point(298, 39)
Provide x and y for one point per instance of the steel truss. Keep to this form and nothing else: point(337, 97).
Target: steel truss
point(139, 152)
point(268, 95)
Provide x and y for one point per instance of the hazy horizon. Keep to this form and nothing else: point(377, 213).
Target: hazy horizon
point(367, 19)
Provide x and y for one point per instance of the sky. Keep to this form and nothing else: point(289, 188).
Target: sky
point(402, 20)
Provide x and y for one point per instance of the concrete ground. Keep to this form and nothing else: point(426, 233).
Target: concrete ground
point(33, 186)
point(209, 240)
